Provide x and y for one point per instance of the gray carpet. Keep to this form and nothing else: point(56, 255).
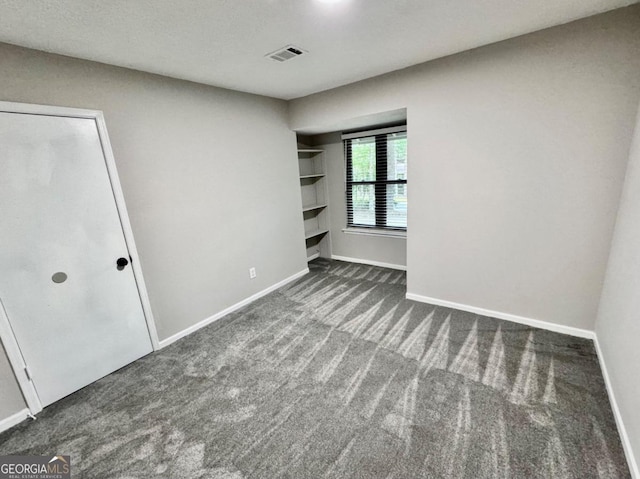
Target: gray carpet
point(337, 375)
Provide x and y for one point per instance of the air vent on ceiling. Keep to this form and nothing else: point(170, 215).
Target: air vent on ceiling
point(286, 53)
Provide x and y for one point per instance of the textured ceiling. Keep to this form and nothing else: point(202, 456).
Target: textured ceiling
point(223, 42)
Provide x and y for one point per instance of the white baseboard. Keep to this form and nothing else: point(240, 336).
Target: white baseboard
point(536, 323)
point(230, 309)
point(622, 431)
point(370, 263)
point(14, 419)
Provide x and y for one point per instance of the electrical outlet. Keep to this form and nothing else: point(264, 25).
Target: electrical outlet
point(252, 273)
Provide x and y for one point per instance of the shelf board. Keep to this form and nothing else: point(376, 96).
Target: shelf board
point(309, 150)
point(313, 207)
point(314, 233)
point(316, 175)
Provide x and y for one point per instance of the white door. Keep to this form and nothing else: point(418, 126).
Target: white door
point(75, 314)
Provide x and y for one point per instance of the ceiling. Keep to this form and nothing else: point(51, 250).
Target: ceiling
point(223, 42)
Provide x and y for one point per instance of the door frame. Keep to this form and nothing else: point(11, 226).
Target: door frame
point(7, 337)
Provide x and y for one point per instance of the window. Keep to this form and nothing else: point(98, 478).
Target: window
point(376, 183)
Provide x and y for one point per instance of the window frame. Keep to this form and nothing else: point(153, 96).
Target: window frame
point(381, 138)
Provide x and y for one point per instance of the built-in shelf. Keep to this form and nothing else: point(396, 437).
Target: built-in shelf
point(309, 150)
point(314, 233)
point(313, 207)
point(317, 175)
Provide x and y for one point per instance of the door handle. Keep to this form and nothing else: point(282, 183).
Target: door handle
point(121, 263)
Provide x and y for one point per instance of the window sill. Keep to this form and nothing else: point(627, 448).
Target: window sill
point(376, 232)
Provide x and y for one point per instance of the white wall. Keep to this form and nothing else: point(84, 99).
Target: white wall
point(517, 153)
point(210, 178)
point(618, 323)
point(380, 249)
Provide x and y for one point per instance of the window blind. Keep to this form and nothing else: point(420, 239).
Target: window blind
point(376, 181)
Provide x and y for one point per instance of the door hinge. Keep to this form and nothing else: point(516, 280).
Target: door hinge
point(28, 373)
